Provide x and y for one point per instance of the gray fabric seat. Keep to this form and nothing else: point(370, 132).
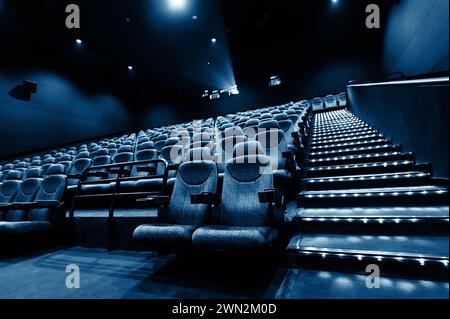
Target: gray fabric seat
point(234, 238)
point(243, 221)
point(34, 190)
point(181, 218)
point(169, 234)
point(10, 229)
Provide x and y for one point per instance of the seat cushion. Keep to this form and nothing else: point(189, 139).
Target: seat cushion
point(234, 238)
point(164, 234)
point(98, 188)
point(16, 228)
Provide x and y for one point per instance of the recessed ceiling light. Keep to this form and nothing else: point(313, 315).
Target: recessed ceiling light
point(213, 40)
point(130, 67)
point(177, 4)
point(78, 41)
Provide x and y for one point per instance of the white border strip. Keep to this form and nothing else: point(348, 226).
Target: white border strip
point(404, 82)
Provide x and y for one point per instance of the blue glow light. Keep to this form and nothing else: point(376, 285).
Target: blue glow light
point(176, 5)
point(213, 40)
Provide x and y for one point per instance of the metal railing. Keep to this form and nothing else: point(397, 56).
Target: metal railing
point(123, 172)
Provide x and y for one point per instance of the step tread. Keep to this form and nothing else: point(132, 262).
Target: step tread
point(374, 212)
point(344, 178)
point(433, 247)
point(426, 188)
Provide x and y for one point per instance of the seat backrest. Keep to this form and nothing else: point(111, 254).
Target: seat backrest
point(147, 155)
point(192, 178)
point(199, 154)
point(227, 146)
point(273, 142)
point(244, 178)
point(173, 154)
point(52, 187)
point(78, 167)
point(10, 186)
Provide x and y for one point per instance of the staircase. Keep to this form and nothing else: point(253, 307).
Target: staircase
point(365, 201)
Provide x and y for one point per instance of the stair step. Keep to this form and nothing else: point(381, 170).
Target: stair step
point(365, 169)
point(370, 181)
point(340, 129)
point(369, 158)
point(338, 146)
point(407, 212)
point(349, 139)
point(349, 122)
point(423, 195)
point(421, 249)
point(331, 134)
point(356, 151)
point(327, 138)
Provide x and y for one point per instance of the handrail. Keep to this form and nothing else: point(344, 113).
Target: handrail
point(376, 78)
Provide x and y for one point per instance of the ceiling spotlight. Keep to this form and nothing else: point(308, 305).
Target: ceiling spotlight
point(176, 4)
point(194, 17)
point(213, 40)
point(334, 1)
point(130, 68)
point(78, 41)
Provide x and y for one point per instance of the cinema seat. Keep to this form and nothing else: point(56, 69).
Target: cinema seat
point(79, 166)
point(26, 193)
point(9, 189)
point(37, 207)
point(249, 213)
point(178, 218)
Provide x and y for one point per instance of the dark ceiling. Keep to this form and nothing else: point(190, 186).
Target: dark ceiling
point(172, 54)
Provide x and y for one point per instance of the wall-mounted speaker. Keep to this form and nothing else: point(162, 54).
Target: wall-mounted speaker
point(30, 86)
point(23, 91)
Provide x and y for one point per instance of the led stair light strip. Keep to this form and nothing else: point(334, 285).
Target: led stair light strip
point(308, 251)
point(365, 165)
point(366, 177)
point(350, 150)
point(350, 157)
point(377, 194)
point(374, 219)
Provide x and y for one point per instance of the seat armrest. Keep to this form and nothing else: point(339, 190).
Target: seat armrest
point(154, 201)
point(204, 198)
point(5, 206)
point(272, 195)
point(48, 203)
point(23, 205)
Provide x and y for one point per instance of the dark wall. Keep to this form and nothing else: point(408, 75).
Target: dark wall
point(57, 114)
point(414, 116)
point(416, 37)
point(329, 78)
